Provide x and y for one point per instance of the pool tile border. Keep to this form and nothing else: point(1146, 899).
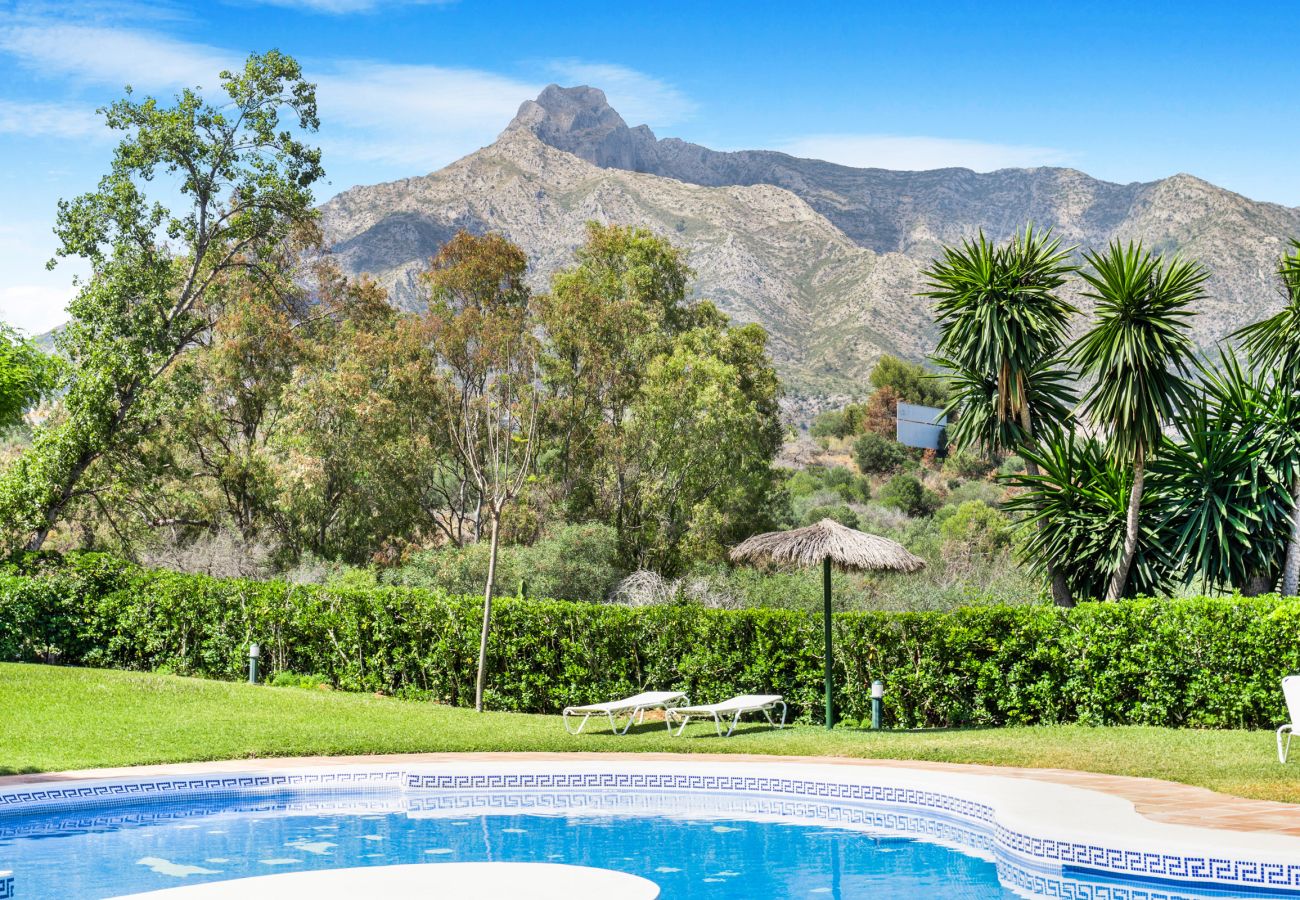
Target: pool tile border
point(855, 788)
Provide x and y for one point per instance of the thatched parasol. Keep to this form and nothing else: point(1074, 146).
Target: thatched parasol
point(831, 544)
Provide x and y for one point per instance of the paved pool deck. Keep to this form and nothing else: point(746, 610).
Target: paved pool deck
point(1159, 801)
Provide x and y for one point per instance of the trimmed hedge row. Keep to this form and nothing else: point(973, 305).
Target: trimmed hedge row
point(1195, 662)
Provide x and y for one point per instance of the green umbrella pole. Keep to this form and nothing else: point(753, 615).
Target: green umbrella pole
point(826, 597)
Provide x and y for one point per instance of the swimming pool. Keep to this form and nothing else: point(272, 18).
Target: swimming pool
point(699, 830)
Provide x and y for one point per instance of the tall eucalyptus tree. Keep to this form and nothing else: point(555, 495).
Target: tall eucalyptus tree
point(239, 183)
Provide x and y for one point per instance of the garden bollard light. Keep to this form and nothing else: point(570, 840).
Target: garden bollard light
point(877, 701)
point(253, 652)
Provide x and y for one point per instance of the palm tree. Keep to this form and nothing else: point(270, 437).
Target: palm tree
point(1139, 353)
point(1002, 328)
point(1073, 500)
point(1274, 343)
point(1223, 482)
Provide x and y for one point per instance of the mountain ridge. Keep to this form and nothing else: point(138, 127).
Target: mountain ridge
point(826, 257)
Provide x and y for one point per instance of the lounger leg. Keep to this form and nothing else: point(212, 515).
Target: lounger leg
point(631, 719)
point(682, 728)
point(581, 725)
point(1284, 750)
point(784, 710)
point(735, 720)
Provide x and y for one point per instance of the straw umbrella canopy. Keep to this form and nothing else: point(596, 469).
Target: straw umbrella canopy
point(831, 544)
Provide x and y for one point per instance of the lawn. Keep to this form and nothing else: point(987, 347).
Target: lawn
point(63, 718)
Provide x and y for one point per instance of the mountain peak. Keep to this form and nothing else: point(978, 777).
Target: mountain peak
point(579, 120)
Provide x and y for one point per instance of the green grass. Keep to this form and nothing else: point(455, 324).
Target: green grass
point(61, 718)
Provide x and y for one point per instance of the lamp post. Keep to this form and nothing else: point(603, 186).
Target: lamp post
point(877, 702)
point(254, 652)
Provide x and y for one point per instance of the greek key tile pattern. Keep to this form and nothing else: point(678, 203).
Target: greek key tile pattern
point(967, 824)
point(121, 791)
point(1066, 855)
point(6, 885)
point(1035, 883)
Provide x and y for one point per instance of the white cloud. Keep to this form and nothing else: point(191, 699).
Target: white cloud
point(35, 308)
point(912, 153)
point(58, 120)
point(115, 56)
point(421, 116)
point(639, 98)
point(413, 114)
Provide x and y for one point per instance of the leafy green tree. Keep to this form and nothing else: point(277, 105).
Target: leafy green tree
point(1274, 343)
point(661, 419)
point(160, 276)
point(832, 423)
point(482, 333)
point(1003, 327)
point(26, 376)
point(877, 454)
point(605, 319)
point(909, 381)
point(705, 428)
point(906, 492)
point(1139, 353)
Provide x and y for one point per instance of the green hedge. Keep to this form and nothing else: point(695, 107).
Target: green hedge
point(1194, 662)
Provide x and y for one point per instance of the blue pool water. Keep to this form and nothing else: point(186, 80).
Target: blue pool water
point(703, 846)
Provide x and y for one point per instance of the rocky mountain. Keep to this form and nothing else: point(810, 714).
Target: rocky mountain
point(825, 256)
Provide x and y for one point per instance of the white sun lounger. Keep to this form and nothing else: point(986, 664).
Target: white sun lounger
point(735, 707)
point(1290, 690)
point(633, 707)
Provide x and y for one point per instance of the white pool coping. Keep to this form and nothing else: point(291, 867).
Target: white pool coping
point(482, 881)
point(1048, 826)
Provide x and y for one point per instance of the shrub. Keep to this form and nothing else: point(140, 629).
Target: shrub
point(878, 454)
point(976, 527)
point(575, 561)
point(906, 492)
point(1195, 662)
point(965, 464)
point(988, 492)
point(1012, 465)
point(829, 424)
point(840, 512)
point(852, 488)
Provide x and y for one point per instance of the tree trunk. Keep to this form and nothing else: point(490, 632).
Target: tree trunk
point(1119, 579)
point(1061, 595)
point(53, 511)
point(1291, 571)
point(1257, 585)
point(481, 681)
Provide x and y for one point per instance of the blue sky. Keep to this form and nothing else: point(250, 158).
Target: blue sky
point(1122, 93)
